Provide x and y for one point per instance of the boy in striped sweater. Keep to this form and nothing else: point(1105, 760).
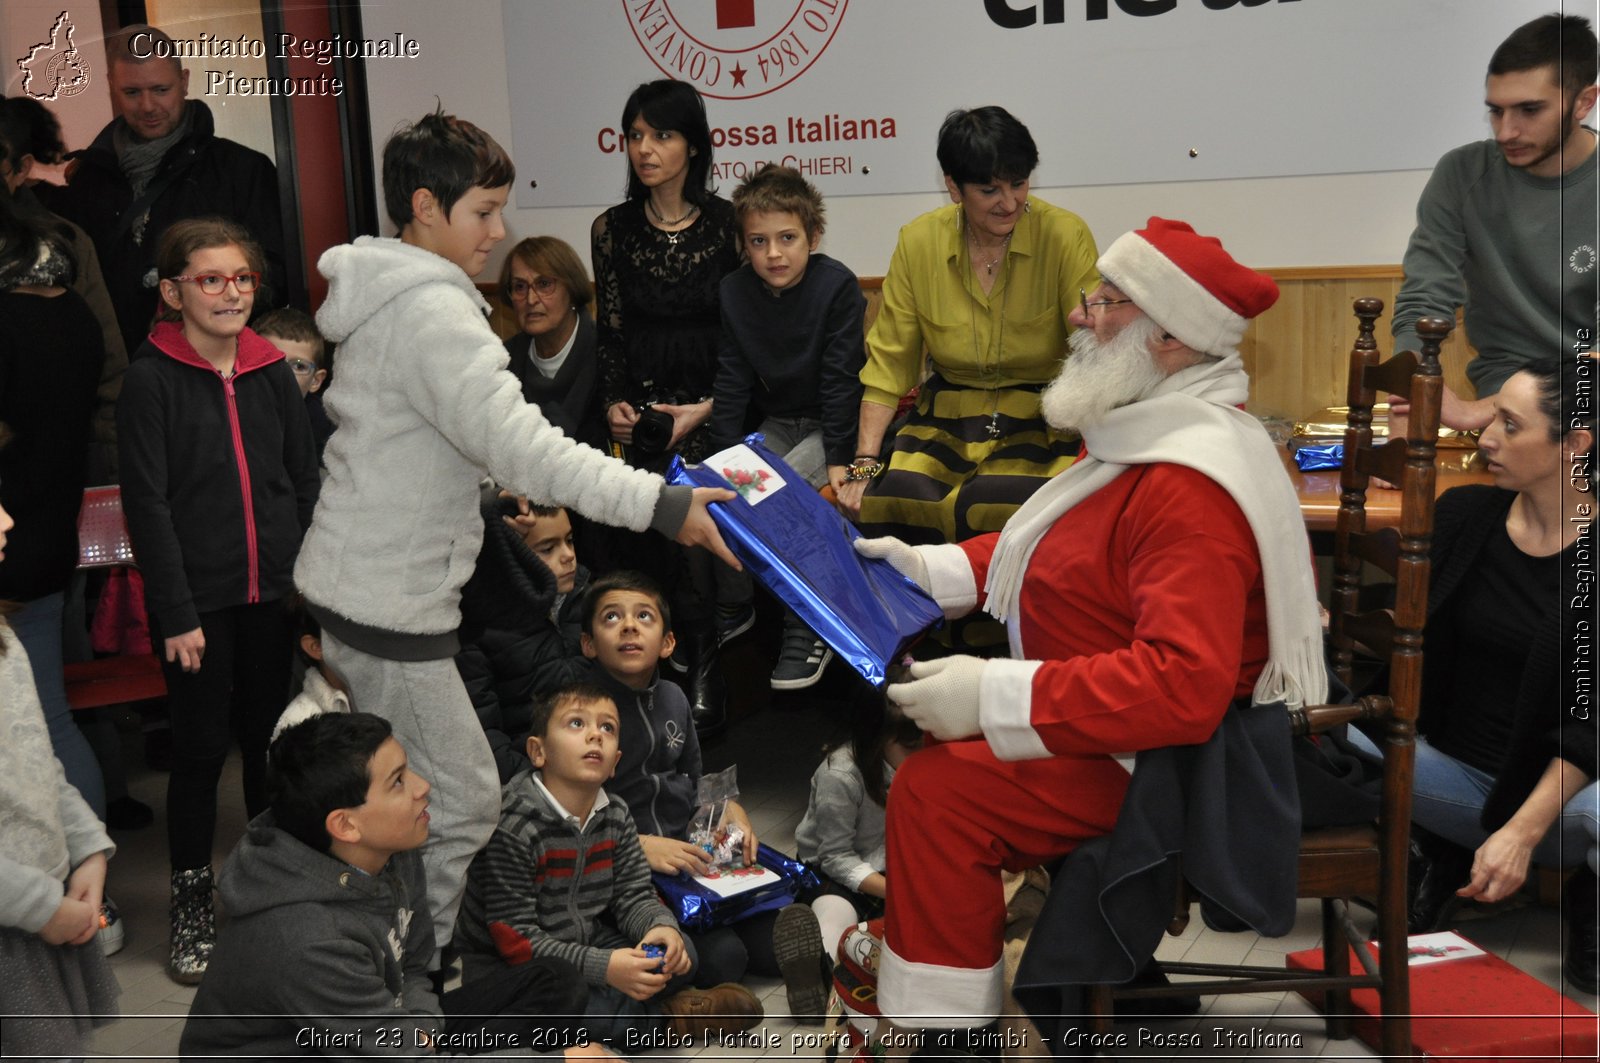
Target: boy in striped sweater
point(565, 876)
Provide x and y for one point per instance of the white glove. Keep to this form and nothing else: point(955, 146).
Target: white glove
point(903, 556)
point(942, 697)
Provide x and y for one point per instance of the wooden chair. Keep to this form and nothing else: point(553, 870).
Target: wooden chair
point(1368, 861)
point(103, 543)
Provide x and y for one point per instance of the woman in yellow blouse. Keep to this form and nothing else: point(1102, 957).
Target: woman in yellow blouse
point(983, 286)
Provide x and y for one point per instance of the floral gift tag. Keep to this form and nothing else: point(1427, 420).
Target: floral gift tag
point(746, 473)
point(730, 882)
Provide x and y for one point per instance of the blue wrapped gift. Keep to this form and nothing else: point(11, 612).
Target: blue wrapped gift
point(698, 907)
point(799, 547)
point(1310, 459)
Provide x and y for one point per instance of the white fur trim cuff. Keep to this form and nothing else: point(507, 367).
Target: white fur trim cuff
point(1005, 710)
point(915, 995)
point(951, 583)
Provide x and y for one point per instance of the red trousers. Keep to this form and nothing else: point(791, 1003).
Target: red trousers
point(957, 817)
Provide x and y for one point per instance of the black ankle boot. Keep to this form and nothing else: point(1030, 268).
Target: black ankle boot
point(1436, 869)
point(706, 689)
point(1583, 930)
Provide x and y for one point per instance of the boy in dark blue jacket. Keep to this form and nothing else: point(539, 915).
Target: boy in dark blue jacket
point(793, 346)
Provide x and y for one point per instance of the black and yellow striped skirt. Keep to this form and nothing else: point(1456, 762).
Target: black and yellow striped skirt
point(949, 478)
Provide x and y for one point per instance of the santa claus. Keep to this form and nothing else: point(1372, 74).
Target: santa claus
point(1160, 583)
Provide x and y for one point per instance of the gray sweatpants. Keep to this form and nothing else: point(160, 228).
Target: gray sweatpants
point(426, 704)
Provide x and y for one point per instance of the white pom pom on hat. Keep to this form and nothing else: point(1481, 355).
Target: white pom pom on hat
point(1188, 284)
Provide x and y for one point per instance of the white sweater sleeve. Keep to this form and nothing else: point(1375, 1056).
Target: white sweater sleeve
point(455, 376)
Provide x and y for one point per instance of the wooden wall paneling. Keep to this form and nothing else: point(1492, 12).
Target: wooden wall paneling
point(1297, 353)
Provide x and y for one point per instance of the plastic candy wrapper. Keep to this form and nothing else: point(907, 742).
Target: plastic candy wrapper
point(698, 906)
point(656, 952)
point(1312, 458)
point(798, 547)
point(709, 829)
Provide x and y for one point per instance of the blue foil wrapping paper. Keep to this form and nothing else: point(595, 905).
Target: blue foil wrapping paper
point(698, 908)
point(1310, 459)
point(799, 547)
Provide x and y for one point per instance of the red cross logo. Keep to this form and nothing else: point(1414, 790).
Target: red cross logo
point(736, 14)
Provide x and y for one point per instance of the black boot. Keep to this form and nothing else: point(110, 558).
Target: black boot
point(1436, 869)
point(1583, 930)
point(706, 689)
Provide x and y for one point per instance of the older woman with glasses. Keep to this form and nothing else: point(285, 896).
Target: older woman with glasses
point(984, 285)
point(547, 288)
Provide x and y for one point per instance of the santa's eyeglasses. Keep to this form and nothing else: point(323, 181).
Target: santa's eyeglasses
point(1083, 299)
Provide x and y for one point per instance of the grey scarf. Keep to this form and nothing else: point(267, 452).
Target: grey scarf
point(140, 159)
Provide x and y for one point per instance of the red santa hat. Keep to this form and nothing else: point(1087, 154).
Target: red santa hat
point(1188, 284)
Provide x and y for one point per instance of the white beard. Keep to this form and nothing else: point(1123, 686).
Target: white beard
point(1099, 377)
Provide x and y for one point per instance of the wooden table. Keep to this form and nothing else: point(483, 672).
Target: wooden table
point(1319, 490)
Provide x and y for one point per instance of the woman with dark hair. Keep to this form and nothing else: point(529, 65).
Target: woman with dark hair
point(984, 286)
point(1506, 753)
point(659, 259)
point(34, 136)
point(50, 358)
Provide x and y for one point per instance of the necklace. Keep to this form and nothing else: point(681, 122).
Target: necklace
point(988, 267)
point(993, 427)
point(672, 238)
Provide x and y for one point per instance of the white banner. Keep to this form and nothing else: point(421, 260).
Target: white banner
point(1115, 91)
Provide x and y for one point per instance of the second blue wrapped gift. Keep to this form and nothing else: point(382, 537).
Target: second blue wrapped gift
point(699, 908)
point(799, 547)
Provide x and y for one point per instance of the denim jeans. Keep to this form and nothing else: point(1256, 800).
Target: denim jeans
point(1448, 798)
point(38, 628)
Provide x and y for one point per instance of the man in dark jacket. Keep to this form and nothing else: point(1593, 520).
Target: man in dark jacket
point(160, 161)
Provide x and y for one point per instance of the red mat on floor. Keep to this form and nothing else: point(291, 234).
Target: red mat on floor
point(1476, 1009)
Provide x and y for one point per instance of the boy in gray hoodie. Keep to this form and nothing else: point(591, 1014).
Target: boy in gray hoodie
point(326, 947)
point(425, 407)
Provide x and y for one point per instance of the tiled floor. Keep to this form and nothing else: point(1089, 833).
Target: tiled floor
point(776, 749)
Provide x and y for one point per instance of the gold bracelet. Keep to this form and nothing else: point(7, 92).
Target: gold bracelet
point(866, 470)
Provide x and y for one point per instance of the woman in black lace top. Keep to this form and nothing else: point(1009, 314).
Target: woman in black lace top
point(659, 258)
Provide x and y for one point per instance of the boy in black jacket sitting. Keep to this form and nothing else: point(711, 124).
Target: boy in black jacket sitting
point(520, 627)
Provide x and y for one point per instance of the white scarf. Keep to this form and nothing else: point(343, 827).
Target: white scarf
point(1192, 419)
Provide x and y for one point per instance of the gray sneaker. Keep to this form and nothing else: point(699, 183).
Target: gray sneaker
point(802, 657)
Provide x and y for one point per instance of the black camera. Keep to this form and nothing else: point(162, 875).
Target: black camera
point(652, 432)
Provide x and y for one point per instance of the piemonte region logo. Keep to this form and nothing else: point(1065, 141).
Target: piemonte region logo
point(55, 69)
point(726, 49)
